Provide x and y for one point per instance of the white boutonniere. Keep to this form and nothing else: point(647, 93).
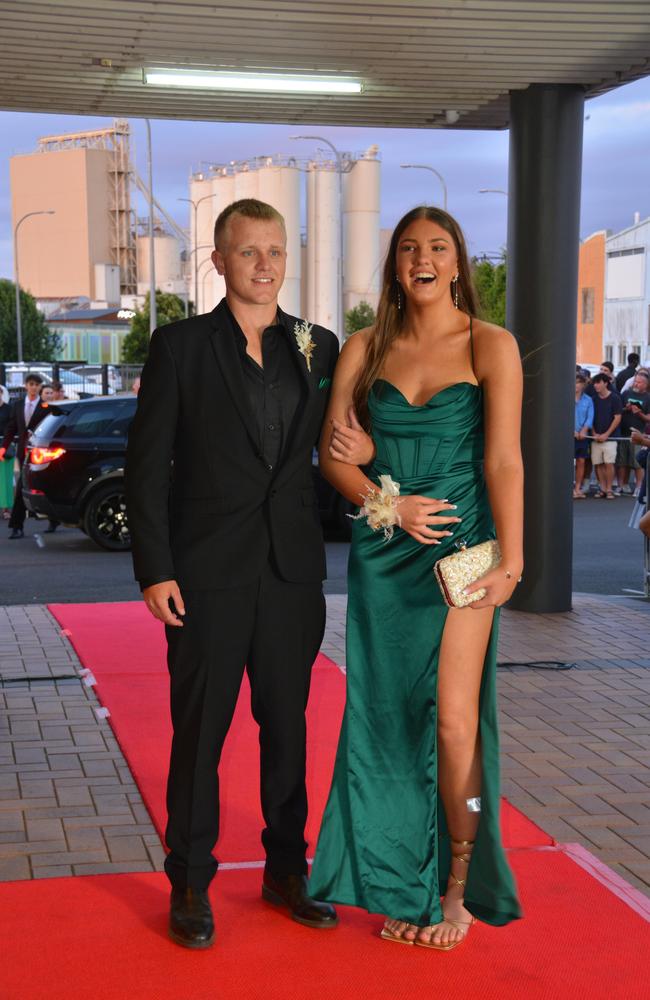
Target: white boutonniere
point(306, 345)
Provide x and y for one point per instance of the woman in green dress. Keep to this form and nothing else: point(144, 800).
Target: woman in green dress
point(6, 464)
point(413, 812)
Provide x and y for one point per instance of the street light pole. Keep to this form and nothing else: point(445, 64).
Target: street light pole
point(339, 168)
point(424, 166)
point(153, 312)
point(195, 206)
point(19, 326)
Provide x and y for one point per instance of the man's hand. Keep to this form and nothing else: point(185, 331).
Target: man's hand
point(157, 598)
point(350, 443)
point(636, 437)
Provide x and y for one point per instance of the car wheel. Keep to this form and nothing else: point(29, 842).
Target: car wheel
point(105, 519)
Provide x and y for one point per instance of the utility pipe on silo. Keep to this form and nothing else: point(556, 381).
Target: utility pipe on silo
point(153, 313)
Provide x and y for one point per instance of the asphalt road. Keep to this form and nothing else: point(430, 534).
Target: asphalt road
point(68, 567)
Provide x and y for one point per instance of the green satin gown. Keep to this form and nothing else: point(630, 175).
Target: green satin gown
point(384, 844)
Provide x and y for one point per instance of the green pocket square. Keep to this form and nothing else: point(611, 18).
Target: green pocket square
point(324, 382)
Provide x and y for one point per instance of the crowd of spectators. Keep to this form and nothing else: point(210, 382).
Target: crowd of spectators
point(612, 434)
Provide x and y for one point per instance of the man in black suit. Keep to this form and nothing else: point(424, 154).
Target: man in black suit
point(228, 550)
point(27, 413)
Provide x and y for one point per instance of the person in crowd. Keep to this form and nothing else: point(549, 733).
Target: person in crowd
point(413, 810)
point(46, 395)
point(640, 517)
point(633, 361)
point(136, 385)
point(635, 415)
point(607, 417)
point(230, 554)
point(26, 414)
point(628, 385)
point(584, 416)
point(7, 462)
point(607, 369)
point(58, 392)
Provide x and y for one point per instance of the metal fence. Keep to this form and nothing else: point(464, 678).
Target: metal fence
point(78, 379)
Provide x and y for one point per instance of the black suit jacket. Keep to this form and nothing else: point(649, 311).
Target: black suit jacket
point(211, 522)
point(16, 425)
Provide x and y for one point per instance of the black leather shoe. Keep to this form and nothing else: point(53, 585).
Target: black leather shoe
point(51, 528)
point(290, 891)
point(17, 533)
point(190, 918)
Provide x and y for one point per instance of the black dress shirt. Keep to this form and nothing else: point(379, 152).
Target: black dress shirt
point(274, 390)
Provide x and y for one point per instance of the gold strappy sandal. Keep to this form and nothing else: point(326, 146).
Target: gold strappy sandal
point(459, 925)
point(395, 938)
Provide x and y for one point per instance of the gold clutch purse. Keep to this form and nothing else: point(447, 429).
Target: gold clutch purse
point(460, 569)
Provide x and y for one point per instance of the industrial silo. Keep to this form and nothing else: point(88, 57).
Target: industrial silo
point(323, 244)
point(361, 261)
point(279, 186)
point(201, 231)
point(212, 286)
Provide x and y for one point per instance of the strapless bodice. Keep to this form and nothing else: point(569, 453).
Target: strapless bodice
point(428, 441)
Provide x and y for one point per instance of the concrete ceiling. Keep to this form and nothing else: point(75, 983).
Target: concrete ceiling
point(417, 59)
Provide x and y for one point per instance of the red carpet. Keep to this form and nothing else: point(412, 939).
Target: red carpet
point(104, 938)
point(124, 647)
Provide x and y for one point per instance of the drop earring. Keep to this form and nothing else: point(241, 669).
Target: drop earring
point(455, 293)
point(399, 298)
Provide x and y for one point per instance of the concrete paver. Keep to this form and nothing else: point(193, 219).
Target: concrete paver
point(575, 743)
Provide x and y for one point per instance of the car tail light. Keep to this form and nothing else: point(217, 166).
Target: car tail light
point(42, 456)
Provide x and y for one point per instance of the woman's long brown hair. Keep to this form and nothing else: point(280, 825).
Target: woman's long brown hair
point(390, 318)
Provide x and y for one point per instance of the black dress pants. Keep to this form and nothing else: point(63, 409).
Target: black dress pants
point(274, 629)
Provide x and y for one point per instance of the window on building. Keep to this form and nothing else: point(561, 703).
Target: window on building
point(587, 305)
point(609, 352)
point(622, 354)
point(636, 349)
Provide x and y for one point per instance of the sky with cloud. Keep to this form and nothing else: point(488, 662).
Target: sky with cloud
point(616, 163)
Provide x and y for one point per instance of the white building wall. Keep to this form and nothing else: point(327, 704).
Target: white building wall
point(627, 294)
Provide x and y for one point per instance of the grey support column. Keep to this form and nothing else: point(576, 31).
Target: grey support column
point(546, 124)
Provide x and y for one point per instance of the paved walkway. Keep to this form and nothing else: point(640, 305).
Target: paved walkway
point(575, 742)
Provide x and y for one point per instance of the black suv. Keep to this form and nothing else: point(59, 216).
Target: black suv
point(74, 470)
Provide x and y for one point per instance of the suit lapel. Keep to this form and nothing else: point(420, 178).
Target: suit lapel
point(225, 351)
point(310, 385)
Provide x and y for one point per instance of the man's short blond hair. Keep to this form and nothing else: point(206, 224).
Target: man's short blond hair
point(249, 208)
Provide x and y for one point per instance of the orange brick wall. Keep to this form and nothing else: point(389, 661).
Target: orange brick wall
point(591, 274)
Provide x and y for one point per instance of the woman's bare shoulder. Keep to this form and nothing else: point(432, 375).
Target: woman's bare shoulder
point(490, 338)
point(355, 347)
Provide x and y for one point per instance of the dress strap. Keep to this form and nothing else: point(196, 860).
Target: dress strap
point(471, 344)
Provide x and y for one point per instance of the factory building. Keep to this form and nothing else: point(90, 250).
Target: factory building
point(627, 293)
point(84, 180)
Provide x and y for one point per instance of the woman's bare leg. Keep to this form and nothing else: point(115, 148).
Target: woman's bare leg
point(460, 669)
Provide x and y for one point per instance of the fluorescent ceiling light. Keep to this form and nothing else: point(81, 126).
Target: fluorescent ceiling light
point(274, 82)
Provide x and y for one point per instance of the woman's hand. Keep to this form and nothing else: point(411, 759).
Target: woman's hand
point(418, 518)
point(498, 586)
point(349, 442)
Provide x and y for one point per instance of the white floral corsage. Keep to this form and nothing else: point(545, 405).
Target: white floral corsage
point(306, 345)
point(380, 507)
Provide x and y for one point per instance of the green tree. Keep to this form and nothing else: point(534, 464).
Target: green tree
point(358, 318)
point(169, 308)
point(490, 282)
point(39, 342)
